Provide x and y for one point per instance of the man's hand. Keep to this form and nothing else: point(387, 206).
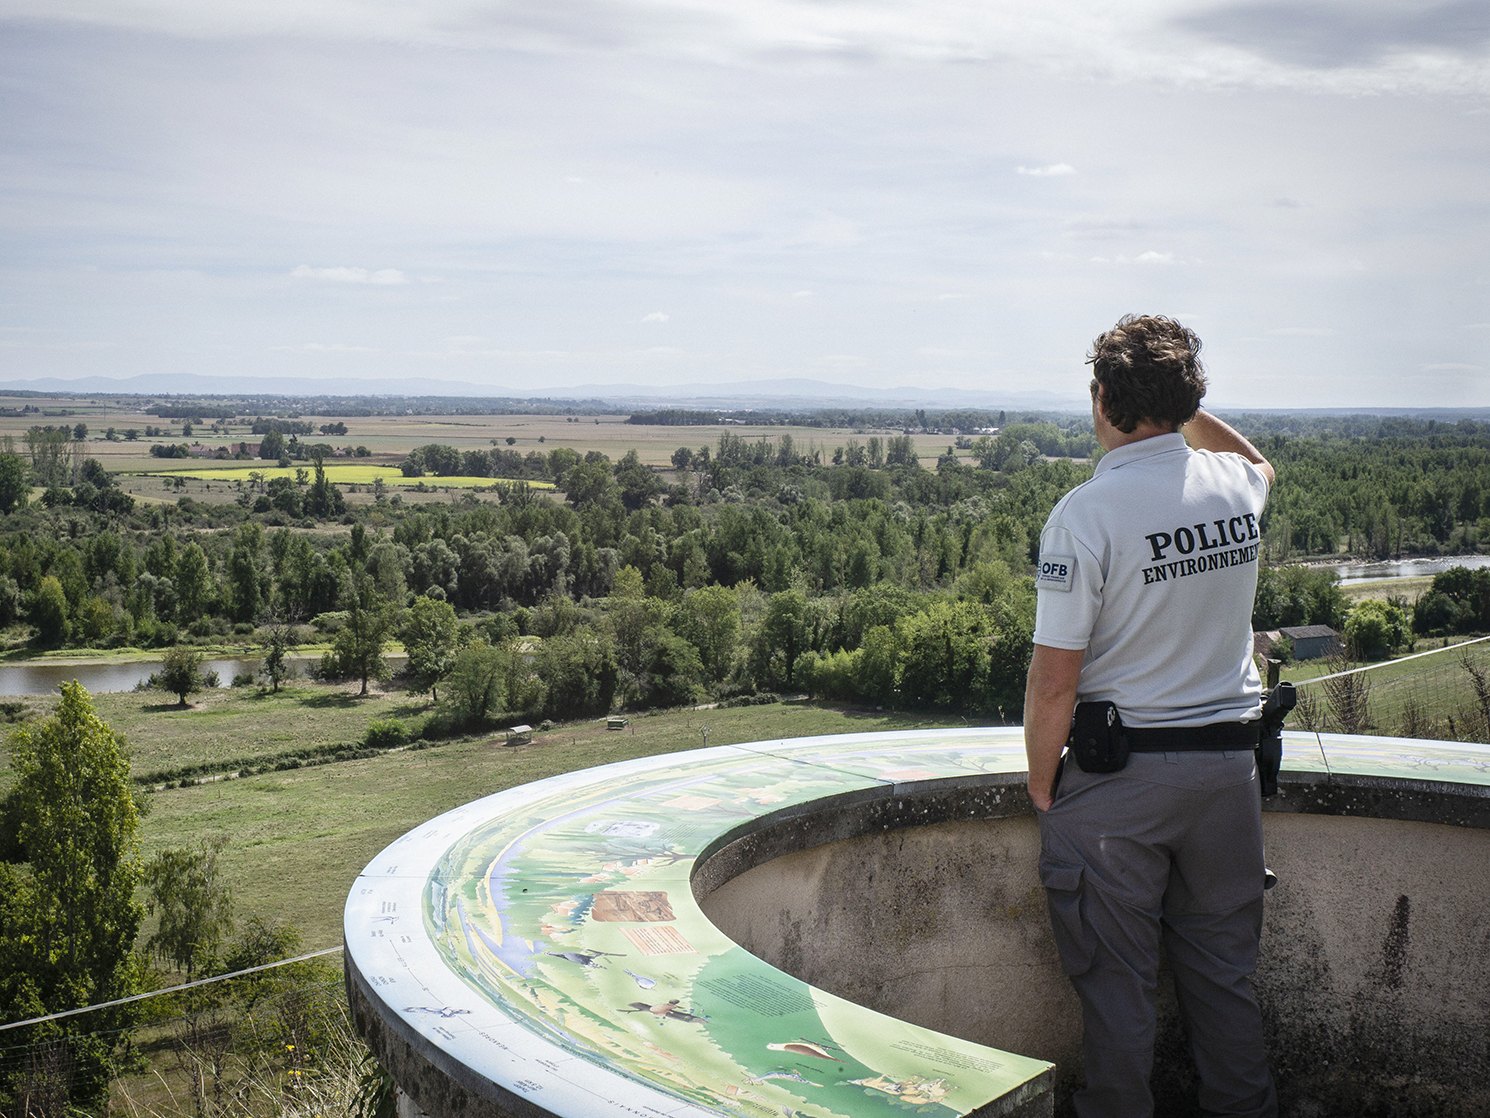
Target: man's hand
point(1049, 699)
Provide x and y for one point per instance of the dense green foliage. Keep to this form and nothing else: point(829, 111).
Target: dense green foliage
point(1375, 630)
point(1298, 595)
point(754, 565)
point(68, 915)
point(1457, 602)
point(180, 672)
point(1380, 496)
point(431, 637)
point(185, 890)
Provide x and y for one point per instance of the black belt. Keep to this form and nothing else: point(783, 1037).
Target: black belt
point(1189, 739)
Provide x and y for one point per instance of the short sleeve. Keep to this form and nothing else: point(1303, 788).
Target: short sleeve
point(1068, 586)
point(1258, 481)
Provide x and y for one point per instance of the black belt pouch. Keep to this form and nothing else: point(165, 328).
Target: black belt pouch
point(1097, 739)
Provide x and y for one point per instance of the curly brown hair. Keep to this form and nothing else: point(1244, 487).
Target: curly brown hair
point(1149, 369)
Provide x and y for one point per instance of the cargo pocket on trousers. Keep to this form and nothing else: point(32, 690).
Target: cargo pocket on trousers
point(1063, 893)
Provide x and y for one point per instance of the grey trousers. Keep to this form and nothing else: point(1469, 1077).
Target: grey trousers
point(1168, 848)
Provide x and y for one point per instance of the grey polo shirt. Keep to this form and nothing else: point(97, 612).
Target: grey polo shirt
point(1151, 567)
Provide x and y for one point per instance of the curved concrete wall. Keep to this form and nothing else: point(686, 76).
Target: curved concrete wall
point(1374, 978)
point(495, 954)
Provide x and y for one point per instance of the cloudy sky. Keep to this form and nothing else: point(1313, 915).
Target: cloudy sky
point(533, 194)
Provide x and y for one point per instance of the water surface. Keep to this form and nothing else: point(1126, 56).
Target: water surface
point(1355, 573)
point(44, 677)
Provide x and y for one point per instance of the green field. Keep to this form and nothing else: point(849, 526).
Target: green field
point(390, 437)
point(298, 837)
point(336, 472)
point(1437, 685)
point(1383, 588)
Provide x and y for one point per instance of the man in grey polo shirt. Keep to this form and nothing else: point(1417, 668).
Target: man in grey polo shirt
point(1145, 584)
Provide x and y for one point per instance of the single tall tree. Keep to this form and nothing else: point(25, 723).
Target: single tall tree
point(431, 638)
point(276, 667)
point(194, 587)
point(68, 915)
point(195, 906)
point(49, 613)
point(15, 482)
point(358, 647)
point(180, 672)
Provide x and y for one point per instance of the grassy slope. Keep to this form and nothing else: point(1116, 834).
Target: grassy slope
point(239, 723)
point(298, 838)
point(1384, 588)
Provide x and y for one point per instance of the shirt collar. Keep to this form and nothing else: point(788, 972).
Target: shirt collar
point(1143, 448)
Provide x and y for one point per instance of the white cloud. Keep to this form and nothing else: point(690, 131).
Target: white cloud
point(1052, 169)
point(801, 295)
point(351, 275)
point(1302, 332)
point(1149, 257)
point(1477, 326)
point(656, 316)
point(321, 347)
point(1327, 46)
point(1451, 367)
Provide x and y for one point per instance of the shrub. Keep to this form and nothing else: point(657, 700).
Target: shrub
point(326, 670)
point(443, 722)
point(333, 622)
point(1375, 630)
point(384, 733)
point(1435, 614)
point(761, 698)
point(829, 675)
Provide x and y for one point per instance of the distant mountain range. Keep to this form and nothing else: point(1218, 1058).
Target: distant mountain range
point(786, 394)
point(771, 394)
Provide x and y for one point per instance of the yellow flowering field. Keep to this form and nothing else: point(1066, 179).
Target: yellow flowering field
point(336, 472)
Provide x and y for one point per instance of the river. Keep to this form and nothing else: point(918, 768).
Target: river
point(44, 677)
point(1355, 573)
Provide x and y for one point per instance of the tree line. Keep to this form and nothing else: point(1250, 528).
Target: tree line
point(594, 600)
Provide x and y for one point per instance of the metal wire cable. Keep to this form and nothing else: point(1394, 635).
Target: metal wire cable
point(170, 989)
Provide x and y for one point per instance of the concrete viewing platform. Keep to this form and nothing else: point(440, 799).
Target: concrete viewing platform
point(853, 926)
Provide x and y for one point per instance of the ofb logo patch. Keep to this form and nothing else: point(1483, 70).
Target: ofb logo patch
point(1056, 572)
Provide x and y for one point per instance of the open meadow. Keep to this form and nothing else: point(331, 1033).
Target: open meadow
point(298, 837)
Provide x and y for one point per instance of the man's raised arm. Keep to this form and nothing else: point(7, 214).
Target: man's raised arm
point(1206, 432)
